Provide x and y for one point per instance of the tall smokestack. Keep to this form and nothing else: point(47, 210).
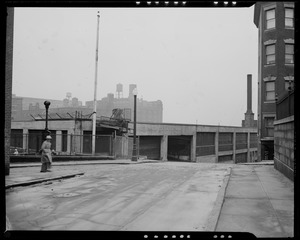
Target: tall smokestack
point(249, 93)
point(249, 115)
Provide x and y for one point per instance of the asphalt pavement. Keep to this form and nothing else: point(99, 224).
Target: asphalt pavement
point(30, 176)
point(156, 196)
point(165, 196)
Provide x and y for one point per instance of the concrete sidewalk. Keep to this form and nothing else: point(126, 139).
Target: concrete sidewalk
point(259, 200)
point(263, 162)
point(33, 176)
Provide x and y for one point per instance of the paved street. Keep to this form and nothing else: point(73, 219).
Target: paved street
point(165, 196)
point(152, 196)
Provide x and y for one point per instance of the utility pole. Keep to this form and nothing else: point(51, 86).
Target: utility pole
point(95, 90)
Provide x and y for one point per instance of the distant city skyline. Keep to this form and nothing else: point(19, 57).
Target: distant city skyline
point(147, 111)
point(70, 96)
point(194, 60)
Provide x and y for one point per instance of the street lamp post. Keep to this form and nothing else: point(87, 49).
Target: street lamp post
point(47, 104)
point(46, 132)
point(134, 151)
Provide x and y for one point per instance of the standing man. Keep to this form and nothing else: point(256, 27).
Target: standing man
point(46, 151)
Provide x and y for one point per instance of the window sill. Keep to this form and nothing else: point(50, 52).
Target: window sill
point(270, 29)
point(289, 64)
point(270, 65)
point(265, 139)
point(271, 101)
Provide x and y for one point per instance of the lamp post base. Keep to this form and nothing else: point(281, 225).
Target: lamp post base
point(134, 155)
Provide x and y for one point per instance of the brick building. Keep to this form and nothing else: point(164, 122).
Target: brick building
point(8, 83)
point(275, 23)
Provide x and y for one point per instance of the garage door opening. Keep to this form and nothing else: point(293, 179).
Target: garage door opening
point(179, 148)
point(150, 147)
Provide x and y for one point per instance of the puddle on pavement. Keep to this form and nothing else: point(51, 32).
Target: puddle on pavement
point(45, 207)
point(86, 191)
point(91, 185)
point(66, 195)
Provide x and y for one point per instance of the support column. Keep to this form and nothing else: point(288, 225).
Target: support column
point(164, 148)
point(193, 148)
point(69, 143)
point(248, 147)
point(25, 139)
point(125, 147)
point(217, 146)
point(58, 141)
point(234, 147)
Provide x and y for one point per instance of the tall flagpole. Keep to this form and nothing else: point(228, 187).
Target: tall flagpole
point(95, 90)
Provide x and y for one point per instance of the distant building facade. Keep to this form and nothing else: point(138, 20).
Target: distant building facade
point(147, 111)
point(275, 23)
point(25, 108)
point(28, 108)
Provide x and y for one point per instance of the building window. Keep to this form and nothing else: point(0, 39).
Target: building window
point(270, 54)
point(289, 85)
point(289, 17)
point(270, 91)
point(270, 18)
point(289, 53)
point(269, 125)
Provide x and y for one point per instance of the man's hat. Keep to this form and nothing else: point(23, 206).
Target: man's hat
point(48, 137)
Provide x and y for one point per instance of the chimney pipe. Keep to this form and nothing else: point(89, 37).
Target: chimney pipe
point(249, 93)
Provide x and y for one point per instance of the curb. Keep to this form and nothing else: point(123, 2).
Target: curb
point(78, 163)
point(215, 213)
point(257, 163)
point(41, 180)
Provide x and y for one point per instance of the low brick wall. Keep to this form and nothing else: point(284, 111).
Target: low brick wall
point(284, 146)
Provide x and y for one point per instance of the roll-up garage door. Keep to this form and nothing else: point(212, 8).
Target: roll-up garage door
point(150, 147)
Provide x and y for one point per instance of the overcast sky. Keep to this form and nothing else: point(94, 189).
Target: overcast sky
point(195, 60)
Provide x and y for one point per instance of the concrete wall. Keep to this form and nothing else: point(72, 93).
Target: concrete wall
point(159, 129)
point(8, 84)
point(164, 132)
point(169, 129)
point(284, 146)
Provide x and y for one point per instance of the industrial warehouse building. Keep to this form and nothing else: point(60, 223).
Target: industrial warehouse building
point(160, 141)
